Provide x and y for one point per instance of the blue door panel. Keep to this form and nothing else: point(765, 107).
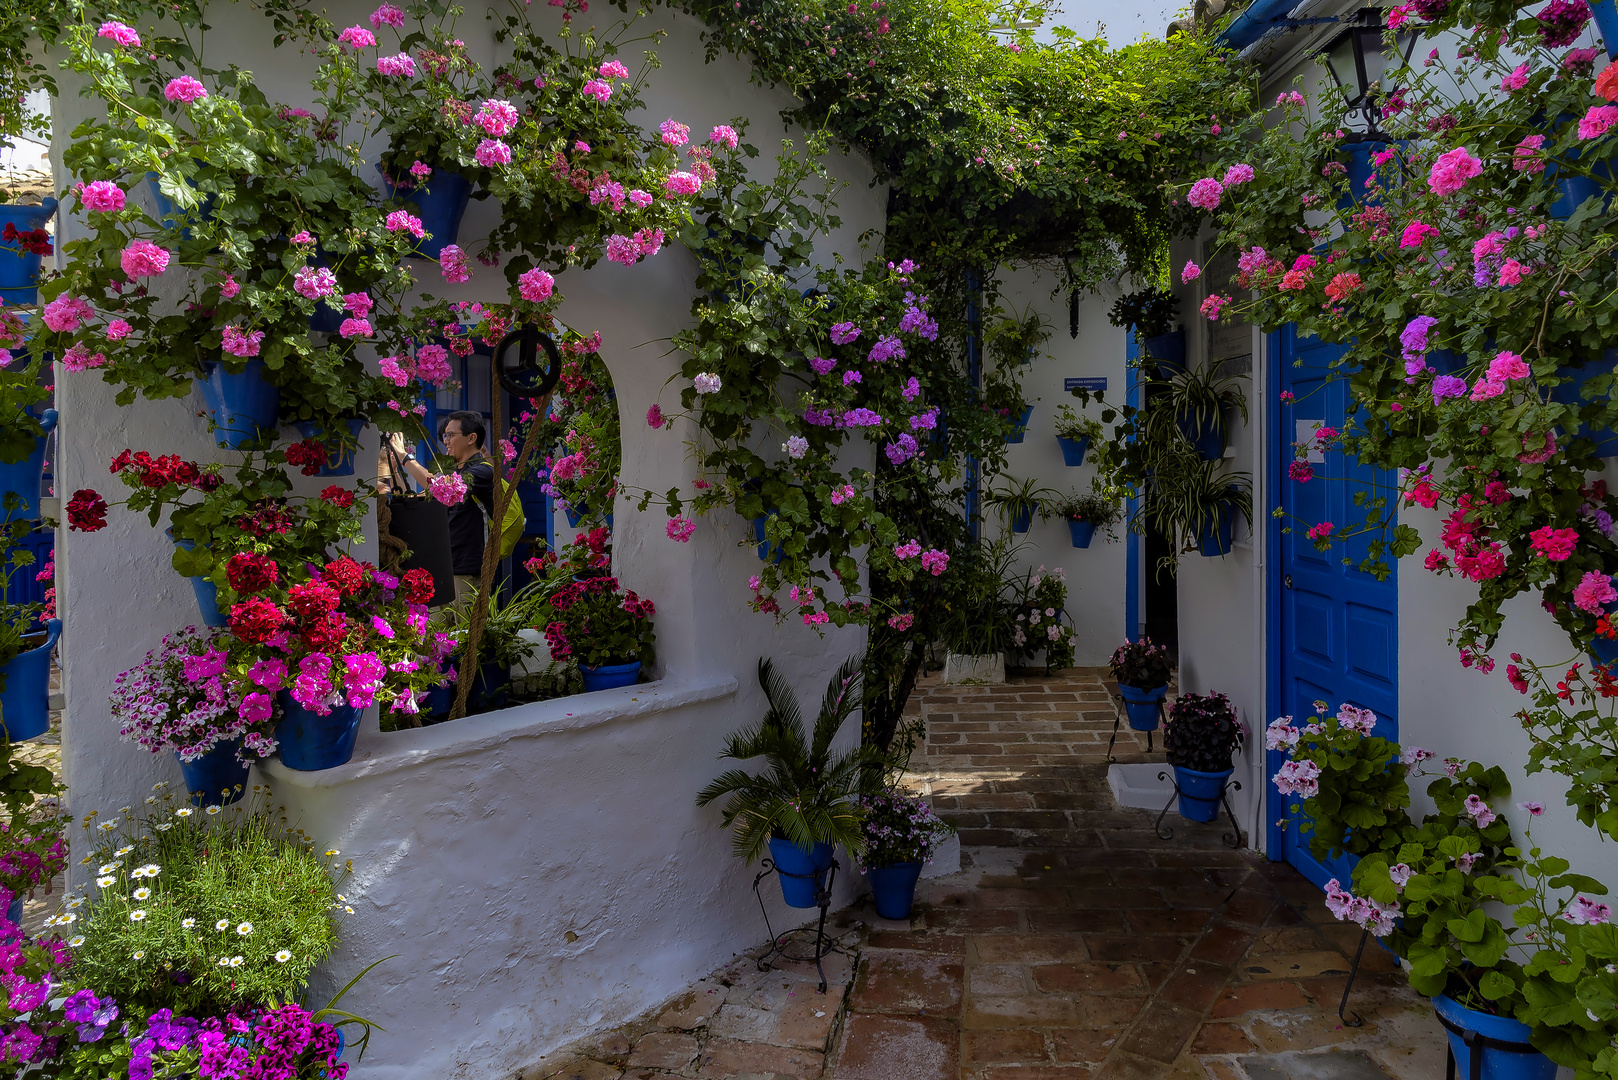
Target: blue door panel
point(1333, 628)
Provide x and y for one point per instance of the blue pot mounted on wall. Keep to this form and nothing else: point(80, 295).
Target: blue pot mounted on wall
point(1143, 707)
point(25, 702)
point(1206, 434)
point(339, 451)
point(310, 742)
point(441, 202)
point(206, 592)
point(1606, 15)
point(1463, 1025)
point(802, 873)
point(1200, 792)
point(216, 778)
point(1021, 429)
point(1169, 348)
point(1571, 393)
point(1215, 538)
point(1073, 450)
point(1022, 520)
point(1082, 531)
point(893, 888)
point(19, 270)
point(170, 217)
point(767, 552)
point(609, 676)
point(244, 407)
point(23, 478)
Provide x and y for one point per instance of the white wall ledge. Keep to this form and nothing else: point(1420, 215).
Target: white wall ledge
point(381, 752)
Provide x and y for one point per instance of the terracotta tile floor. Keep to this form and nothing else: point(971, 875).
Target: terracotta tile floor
point(1073, 944)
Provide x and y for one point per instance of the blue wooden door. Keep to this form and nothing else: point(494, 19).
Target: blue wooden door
point(1333, 628)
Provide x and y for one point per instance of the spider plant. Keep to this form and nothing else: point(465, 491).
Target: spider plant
point(1198, 399)
point(1186, 497)
point(806, 793)
point(1021, 500)
point(982, 600)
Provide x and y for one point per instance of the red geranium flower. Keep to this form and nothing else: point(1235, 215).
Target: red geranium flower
point(418, 586)
point(312, 599)
point(308, 454)
point(86, 511)
point(346, 574)
point(250, 573)
point(338, 496)
point(255, 619)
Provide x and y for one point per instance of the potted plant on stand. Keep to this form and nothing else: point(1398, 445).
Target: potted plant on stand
point(805, 800)
point(1142, 670)
point(1201, 738)
point(901, 835)
point(1087, 513)
point(1074, 432)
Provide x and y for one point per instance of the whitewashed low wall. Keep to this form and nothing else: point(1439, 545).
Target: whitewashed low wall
point(536, 873)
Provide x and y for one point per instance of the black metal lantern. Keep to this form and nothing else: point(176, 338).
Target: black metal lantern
point(1358, 61)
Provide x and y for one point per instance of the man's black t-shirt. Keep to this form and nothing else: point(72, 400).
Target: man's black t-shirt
point(468, 525)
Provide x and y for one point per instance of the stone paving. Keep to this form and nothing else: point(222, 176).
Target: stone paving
point(1073, 943)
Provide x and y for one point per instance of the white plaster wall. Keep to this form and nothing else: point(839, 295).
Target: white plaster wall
point(1095, 575)
point(479, 845)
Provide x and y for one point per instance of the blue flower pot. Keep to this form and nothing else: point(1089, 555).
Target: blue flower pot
point(244, 407)
point(14, 916)
point(1169, 348)
point(1206, 435)
point(608, 676)
point(767, 552)
point(1571, 393)
point(25, 702)
point(1498, 1064)
point(1023, 520)
point(19, 270)
point(339, 452)
point(441, 203)
point(1200, 792)
point(894, 888)
point(1144, 708)
point(802, 873)
point(23, 478)
point(575, 514)
point(491, 687)
point(1606, 16)
point(1082, 532)
point(1073, 450)
point(309, 741)
point(1215, 538)
point(206, 592)
point(216, 778)
point(1021, 429)
point(168, 215)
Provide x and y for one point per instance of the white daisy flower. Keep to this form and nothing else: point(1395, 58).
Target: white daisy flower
point(137, 916)
point(349, 910)
point(213, 809)
point(186, 924)
point(108, 826)
point(151, 800)
point(236, 961)
point(333, 853)
point(77, 901)
point(165, 826)
point(138, 954)
point(184, 811)
point(76, 941)
point(121, 852)
point(222, 925)
point(160, 785)
point(142, 893)
point(109, 868)
point(244, 928)
point(224, 961)
point(125, 809)
point(283, 956)
point(149, 870)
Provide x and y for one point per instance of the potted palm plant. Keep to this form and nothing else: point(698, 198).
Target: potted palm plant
point(901, 835)
point(805, 801)
point(1142, 670)
point(1087, 513)
point(1074, 432)
point(1201, 738)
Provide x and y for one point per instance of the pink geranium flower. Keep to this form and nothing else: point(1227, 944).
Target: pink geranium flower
point(142, 258)
point(120, 34)
point(357, 37)
point(1452, 170)
point(536, 286)
point(492, 152)
point(1593, 592)
point(102, 196)
point(185, 88)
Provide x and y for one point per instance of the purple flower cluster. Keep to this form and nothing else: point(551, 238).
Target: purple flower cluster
point(899, 829)
point(179, 698)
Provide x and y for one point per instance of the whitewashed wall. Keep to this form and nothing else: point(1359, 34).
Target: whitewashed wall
point(481, 846)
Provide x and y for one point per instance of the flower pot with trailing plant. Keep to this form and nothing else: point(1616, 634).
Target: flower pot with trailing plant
point(1151, 312)
point(1196, 502)
point(439, 197)
point(1085, 514)
point(184, 699)
point(341, 441)
point(1074, 433)
point(23, 245)
point(979, 614)
point(1200, 398)
point(243, 406)
point(901, 835)
point(1142, 670)
point(1201, 738)
point(1018, 503)
point(805, 800)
